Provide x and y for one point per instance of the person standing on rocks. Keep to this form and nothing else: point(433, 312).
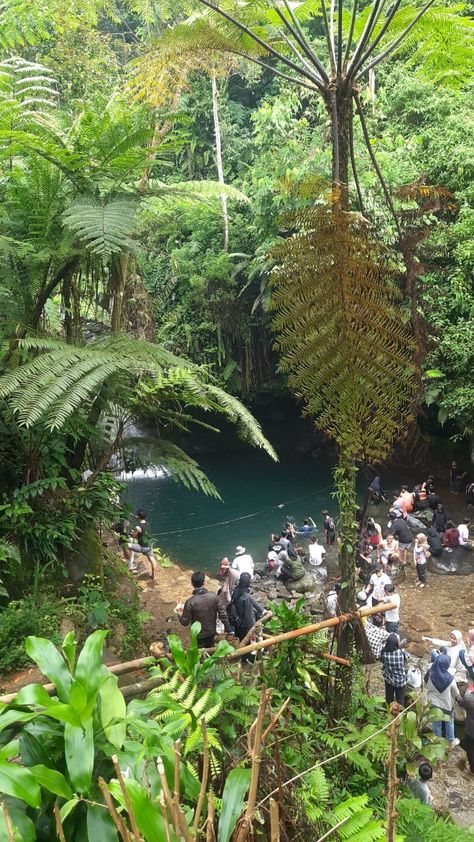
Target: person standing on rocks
point(244, 610)
point(394, 670)
point(203, 607)
point(376, 634)
point(376, 585)
point(442, 692)
point(141, 543)
point(228, 579)
point(243, 562)
point(421, 554)
point(401, 531)
point(329, 528)
point(392, 617)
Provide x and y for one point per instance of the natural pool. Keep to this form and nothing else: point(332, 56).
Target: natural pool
point(191, 527)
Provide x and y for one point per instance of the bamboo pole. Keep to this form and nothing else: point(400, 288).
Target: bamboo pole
point(116, 669)
point(265, 616)
point(392, 775)
point(274, 821)
point(315, 627)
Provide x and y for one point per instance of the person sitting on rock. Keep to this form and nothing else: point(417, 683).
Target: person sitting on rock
point(451, 536)
point(316, 559)
point(463, 531)
point(291, 569)
point(434, 542)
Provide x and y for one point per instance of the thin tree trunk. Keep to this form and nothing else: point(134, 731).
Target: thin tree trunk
point(220, 168)
point(345, 477)
point(118, 272)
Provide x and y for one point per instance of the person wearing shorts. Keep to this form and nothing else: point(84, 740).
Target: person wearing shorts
point(141, 544)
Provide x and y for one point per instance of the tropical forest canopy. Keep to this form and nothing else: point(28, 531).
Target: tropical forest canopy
point(205, 205)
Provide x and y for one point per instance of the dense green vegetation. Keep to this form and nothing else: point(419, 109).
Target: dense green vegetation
point(203, 205)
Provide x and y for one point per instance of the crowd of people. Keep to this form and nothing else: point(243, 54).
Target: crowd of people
point(419, 527)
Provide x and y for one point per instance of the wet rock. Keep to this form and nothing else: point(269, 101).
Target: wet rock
point(66, 626)
point(127, 591)
point(455, 799)
point(303, 585)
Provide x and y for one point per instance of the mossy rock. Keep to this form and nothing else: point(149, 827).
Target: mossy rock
point(86, 557)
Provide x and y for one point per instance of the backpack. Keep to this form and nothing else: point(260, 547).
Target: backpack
point(232, 613)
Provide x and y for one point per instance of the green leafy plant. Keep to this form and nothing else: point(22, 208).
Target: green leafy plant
point(416, 740)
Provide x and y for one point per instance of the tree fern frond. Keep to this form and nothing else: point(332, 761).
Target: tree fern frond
point(247, 427)
point(104, 227)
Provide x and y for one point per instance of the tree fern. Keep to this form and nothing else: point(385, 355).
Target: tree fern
point(340, 335)
point(105, 227)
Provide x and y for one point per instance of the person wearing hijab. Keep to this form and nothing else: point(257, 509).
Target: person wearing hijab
point(467, 741)
point(442, 692)
point(394, 670)
point(452, 647)
point(467, 656)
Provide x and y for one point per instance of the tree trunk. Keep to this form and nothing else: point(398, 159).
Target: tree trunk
point(118, 274)
point(220, 168)
point(345, 480)
point(338, 100)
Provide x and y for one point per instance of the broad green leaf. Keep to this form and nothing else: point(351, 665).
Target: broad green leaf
point(33, 694)
point(192, 654)
point(78, 696)
point(79, 745)
point(69, 646)
point(100, 827)
point(9, 750)
point(11, 717)
point(20, 821)
point(68, 807)
point(178, 652)
point(17, 781)
point(32, 750)
point(113, 709)
point(148, 816)
point(90, 670)
point(51, 664)
point(233, 799)
point(51, 780)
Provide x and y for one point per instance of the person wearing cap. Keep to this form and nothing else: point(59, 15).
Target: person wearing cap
point(228, 579)
point(243, 562)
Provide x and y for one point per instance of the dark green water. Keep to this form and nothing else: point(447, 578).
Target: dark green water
point(248, 482)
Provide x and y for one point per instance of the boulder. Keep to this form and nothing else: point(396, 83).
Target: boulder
point(304, 585)
point(66, 626)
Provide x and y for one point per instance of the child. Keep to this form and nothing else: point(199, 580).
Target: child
point(421, 555)
point(419, 786)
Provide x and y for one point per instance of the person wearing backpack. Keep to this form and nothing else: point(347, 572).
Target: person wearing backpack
point(329, 528)
point(243, 610)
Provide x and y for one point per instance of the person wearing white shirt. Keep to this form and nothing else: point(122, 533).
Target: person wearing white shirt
point(392, 617)
point(377, 583)
point(243, 561)
point(316, 559)
point(463, 530)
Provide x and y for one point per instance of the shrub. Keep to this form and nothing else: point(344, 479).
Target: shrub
point(21, 619)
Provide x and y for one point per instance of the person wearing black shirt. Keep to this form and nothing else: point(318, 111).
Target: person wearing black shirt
point(439, 519)
point(400, 530)
point(434, 542)
point(456, 476)
point(329, 528)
